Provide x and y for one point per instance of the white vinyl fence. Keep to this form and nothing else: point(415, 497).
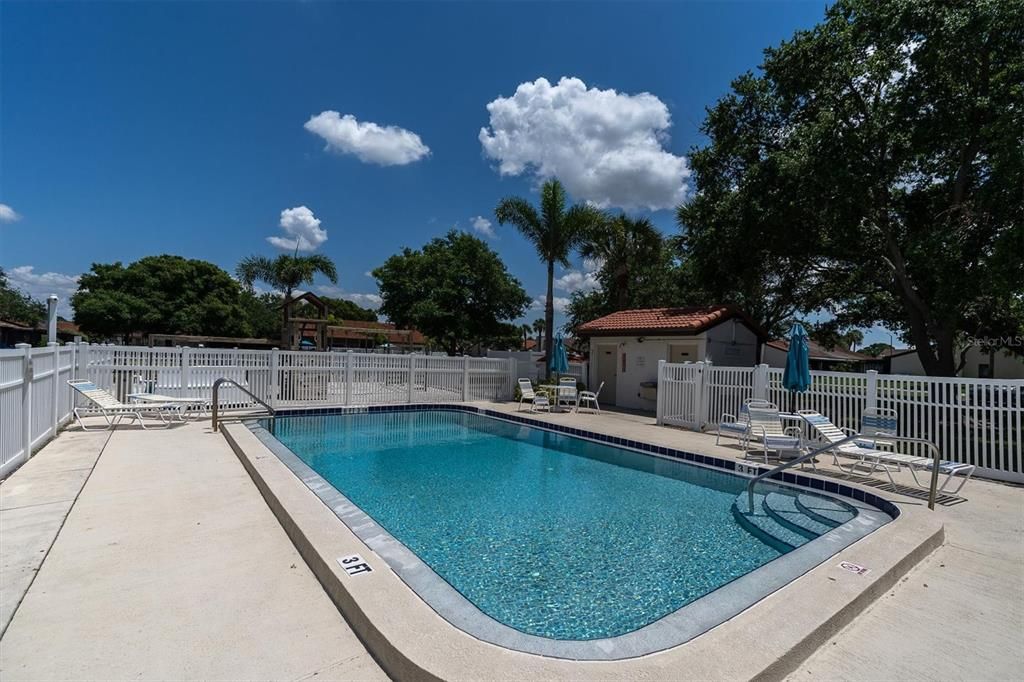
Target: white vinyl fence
point(35, 401)
point(977, 421)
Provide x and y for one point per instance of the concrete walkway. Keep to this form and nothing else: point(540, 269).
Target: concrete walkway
point(171, 566)
point(33, 505)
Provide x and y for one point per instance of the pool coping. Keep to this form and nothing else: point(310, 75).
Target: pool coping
point(670, 630)
point(410, 640)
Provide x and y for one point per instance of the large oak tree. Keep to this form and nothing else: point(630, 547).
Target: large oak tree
point(874, 168)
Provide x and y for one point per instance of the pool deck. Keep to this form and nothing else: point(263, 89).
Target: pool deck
point(152, 555)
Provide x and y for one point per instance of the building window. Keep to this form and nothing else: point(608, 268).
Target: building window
point(984, 371)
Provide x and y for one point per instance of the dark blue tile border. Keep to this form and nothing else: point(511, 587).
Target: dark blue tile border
point(790, 477)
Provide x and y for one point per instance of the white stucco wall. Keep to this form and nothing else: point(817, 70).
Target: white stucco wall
point(641, 362)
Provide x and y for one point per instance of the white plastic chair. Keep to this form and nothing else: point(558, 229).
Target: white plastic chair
point(567, 391)
point(538, 400)
point(589, 397)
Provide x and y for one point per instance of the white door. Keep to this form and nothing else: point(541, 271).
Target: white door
point(607, 371)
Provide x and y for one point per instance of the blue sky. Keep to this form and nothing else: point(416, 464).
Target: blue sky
point(202, 129)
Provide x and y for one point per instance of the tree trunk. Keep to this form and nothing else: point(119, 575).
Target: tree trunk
point(622, 284)
point(286, 341)
point(549, 316)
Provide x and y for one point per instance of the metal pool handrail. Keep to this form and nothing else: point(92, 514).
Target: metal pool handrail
point(216, 390)
point(825, 448)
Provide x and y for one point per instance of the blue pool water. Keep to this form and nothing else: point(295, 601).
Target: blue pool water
point(551, 535)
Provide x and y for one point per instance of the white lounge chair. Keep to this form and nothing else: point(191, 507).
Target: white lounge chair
point(113, 410)
point(585, 397)
point(882, 459)
point(538, 399)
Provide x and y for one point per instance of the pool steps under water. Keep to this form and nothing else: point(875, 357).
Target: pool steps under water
point(787, 521)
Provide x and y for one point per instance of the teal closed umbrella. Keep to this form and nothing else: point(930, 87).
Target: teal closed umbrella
point(558, 361)
point(797, 376)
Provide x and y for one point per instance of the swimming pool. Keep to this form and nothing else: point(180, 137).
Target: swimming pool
point(554, 536)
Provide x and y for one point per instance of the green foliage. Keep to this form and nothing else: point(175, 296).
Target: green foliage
point(639, 270)
point(285, 274)
point(875, 349)
point(554, 232)
point(832, 335)
point(159, 294)
point(455, 290)
point(873, 169)
point(17, 306)
point(263, 312)
point(342, 309)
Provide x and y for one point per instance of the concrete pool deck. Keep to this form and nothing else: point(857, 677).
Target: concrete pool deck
point(168, 566)
point(234, 607)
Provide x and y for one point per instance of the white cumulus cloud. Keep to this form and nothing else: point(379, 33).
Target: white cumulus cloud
point(482, 225)
point(366, 300)
point(607, 147)
point(40, 285)
point(303, 228)
point(367, 141)
point(584, 280)
point(8, 214)
point(559, 303)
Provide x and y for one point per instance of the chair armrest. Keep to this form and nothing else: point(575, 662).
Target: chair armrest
point(731, 417)
point(848, 431)
point(793, 417)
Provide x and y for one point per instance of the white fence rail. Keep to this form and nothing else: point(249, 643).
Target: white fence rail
point(35, 400)
point(977, 421)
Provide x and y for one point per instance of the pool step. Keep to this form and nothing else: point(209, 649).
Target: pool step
point(787, 521)
point(825, 510)
point(764, 526)
point(783, 508)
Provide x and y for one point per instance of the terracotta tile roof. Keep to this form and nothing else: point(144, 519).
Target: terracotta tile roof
point(363, 330)
point(682, 320)
point(819, 352)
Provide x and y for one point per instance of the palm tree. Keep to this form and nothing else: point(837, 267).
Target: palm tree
point(539, 327)
point(285, 273)
point(554, 232)
point(525, 329)
point(622, 244)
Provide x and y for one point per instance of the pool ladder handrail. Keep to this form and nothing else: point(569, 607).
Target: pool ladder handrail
point(933, 488)
point(215, 409)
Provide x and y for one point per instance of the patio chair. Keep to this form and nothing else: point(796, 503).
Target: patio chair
point(567, 393)
point(585, 397)
point(107, 406)
point(538, 399)
point(882, 459)
point(875, 424)
point(769, 430)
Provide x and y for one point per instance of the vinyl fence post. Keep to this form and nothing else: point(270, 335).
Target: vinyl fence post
point(274, 360)
point(26, 399)
point(465, 378)
point(55, 349)
point(513, 369)
point(349, 360)
point(412, 375)
point(186, 361)
point(698, 397)
point(761, 382)
point(871, 390)
point(661, 393)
